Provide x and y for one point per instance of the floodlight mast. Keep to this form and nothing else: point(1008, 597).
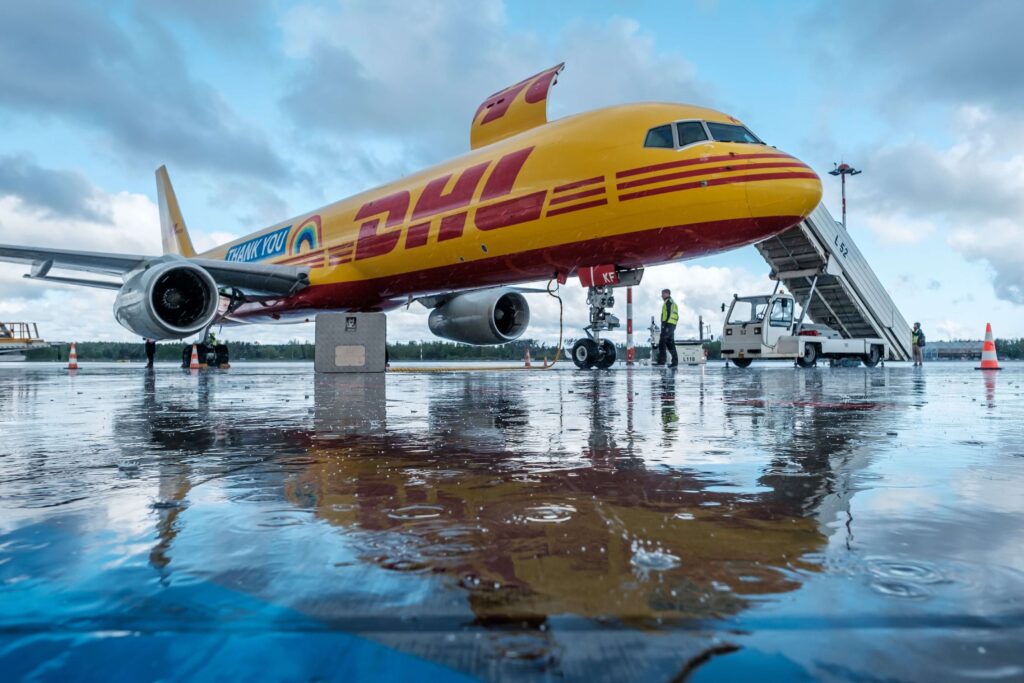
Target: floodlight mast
point(842, 170)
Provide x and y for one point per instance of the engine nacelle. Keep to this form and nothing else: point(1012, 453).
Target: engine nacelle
point(490, 316)
point(169, 299)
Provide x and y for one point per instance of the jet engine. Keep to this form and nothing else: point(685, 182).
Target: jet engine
point(490, 316)
point(168, 299)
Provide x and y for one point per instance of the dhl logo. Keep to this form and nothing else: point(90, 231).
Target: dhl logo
point(384, 219)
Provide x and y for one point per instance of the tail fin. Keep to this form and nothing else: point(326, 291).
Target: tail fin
point(172, 226)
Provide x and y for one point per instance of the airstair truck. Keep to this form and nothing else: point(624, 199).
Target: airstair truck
point(765, 327)
point(853, 315)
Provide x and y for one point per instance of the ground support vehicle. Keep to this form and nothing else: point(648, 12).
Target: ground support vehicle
point(765, 327)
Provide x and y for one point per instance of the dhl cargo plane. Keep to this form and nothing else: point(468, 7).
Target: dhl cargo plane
point(598, 195)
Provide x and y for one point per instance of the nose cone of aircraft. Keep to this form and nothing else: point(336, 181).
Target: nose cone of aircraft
point(789, 192)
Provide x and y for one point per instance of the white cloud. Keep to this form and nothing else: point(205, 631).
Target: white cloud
point(414, 73)
point(898, 229)
point(999, 243)
point(952, 329)
point(133, 227)
point(971, 191)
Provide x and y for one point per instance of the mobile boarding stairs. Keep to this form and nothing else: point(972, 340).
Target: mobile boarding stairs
point(820, 265)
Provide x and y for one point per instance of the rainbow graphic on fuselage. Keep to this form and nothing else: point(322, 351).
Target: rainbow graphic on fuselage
point(309, 234)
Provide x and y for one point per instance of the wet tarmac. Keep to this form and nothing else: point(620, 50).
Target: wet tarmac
point(705, 524)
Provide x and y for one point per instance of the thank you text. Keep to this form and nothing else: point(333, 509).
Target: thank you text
point(262, 247)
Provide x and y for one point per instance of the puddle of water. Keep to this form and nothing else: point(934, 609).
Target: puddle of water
point(507, 532)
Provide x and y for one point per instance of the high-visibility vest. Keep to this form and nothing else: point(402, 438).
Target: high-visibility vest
point(669, 312)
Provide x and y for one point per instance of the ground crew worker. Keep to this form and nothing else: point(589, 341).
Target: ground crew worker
point(669, 318)
point(150, 352)
point(917, 344)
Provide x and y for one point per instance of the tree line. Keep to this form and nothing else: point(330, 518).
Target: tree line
point(434, 350)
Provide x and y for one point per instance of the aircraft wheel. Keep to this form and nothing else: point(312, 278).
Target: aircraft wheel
point(607, 355)
point(584, 353)
point(810, 356)
point(742, 362)
point(873, 358)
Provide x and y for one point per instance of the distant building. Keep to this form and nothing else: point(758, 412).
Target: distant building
point(952, 350)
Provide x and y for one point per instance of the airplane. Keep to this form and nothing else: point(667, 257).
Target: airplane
point(598, 195)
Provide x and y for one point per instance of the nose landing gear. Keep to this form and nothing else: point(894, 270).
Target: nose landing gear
point(600, 281)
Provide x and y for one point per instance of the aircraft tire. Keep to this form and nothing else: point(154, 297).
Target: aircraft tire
point(607, 355)
point(741, 362)
point(584, 354)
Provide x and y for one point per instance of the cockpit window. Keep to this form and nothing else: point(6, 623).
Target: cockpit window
point(690, 132)
point(660, 137)
point(726, 132)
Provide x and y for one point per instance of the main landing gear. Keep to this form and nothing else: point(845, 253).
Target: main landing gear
point(600, 281)
point(211, 353)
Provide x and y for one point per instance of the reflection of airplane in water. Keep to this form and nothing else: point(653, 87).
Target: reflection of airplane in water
point(527, 539)
point(566, 540)
point(531, 510)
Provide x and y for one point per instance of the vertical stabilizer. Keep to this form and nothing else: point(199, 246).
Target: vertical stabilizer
point(172, 226)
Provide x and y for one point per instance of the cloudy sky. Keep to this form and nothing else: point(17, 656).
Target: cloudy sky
point(265, 109)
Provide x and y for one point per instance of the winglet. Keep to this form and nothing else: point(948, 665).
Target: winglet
point(510, 111)
point(172, 226)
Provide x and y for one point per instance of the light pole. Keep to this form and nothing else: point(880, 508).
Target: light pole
point(842, 170)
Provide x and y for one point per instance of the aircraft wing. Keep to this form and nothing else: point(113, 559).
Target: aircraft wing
point(89, 261)
point(253, 278)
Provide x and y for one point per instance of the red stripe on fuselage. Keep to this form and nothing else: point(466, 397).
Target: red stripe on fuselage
point(716, 181)
point(698, 161)
point(579, 183)
point(303, 256)
point(576, 195)
point(708, 171)
point(576, 207)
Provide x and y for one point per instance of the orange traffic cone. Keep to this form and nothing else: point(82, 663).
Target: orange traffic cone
point(989, 360)
point(73, 357)
point(193, 364)
point(526, 358)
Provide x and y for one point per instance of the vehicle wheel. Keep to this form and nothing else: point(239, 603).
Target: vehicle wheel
point(742, 362)
point(810, 356)
point(872, 359)
point(606, 358)
point(584, 353)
